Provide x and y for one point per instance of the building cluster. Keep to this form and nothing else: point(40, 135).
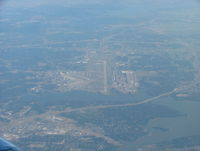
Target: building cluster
point(125, 81)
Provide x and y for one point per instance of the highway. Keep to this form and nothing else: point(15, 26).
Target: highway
point(149, 100)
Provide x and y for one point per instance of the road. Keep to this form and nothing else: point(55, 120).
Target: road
point(117, 105)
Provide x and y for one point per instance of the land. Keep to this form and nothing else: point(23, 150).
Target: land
point(89, 75)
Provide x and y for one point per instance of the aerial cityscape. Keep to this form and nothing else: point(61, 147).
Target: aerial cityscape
point(100, 75)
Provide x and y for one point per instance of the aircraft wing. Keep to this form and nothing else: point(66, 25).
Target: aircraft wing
point(7, 146)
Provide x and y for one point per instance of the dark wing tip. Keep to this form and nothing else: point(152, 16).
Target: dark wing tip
point(7, 146)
